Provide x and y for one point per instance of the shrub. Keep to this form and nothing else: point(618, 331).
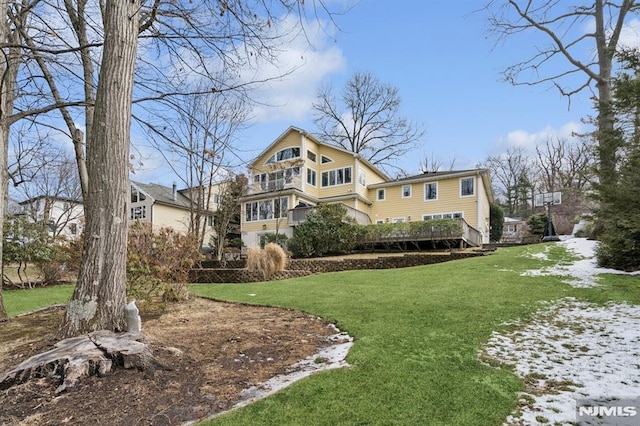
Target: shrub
point(496, 221)
point(270, 237)
point(158, 263)
point(64, 263)
point(537, 224)
point(327, 230)
point(445, 231)
point(268, 261)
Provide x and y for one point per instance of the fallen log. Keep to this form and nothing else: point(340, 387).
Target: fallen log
point(93, 354)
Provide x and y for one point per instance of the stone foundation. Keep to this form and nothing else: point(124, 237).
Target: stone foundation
point(303, 267)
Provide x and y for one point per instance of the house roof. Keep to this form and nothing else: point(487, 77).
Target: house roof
point(50, 197)
point(319, 142)
point(164, 194)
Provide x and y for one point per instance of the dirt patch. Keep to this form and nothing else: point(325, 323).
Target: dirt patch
point(215, 351)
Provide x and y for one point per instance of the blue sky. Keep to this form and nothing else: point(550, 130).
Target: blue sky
point(447, 69)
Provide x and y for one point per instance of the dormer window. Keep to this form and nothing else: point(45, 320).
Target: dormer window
point(137, 196)
point(285, 154)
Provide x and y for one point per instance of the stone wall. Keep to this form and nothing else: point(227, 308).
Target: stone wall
point(302, 267)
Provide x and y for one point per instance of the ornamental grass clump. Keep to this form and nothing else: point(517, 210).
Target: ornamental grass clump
point(268, 261)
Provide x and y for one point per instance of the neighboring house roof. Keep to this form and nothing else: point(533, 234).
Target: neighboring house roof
point(513, 220)
point(49, 197)
point(163, 194)
point(319, 142)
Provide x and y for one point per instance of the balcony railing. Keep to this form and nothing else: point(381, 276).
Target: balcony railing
point(299, 215)
point(406, 232)
point(274, 185)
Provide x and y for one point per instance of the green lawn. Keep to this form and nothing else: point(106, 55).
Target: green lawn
point(417, 333)
point(21, 301)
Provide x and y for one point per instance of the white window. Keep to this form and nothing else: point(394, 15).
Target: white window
point(362, 176)
point(398, 220)
point(266, 209)
point(431, 191)
point(311, 156)
point(311, 177)
point(139, 212)
point(137, 196)
point(381, 194)
point(285, 154)
point(406, 191)
point(454, 215)
point(467, 186)
point(325, 159)
point(336, 177)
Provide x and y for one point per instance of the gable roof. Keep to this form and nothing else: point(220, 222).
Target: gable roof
point(50, 197)
point(319, 142)
point(163, 194)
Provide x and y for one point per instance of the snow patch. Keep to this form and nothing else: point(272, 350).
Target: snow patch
point(571, 350)
point(582, 273)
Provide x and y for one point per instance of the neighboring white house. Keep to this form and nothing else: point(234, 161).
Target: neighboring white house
point(166, 207)
point(158, 205)
point(64, 217)
point(514, 230)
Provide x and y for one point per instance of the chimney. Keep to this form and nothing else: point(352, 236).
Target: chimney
point(175, 192)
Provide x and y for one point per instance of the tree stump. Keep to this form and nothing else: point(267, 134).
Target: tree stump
point(76, 357)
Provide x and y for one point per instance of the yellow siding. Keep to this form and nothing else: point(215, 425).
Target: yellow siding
point(394, 206)
point(341, 160)
point(164, 216)
point(292, 139)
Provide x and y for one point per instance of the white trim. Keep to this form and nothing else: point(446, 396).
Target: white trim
point(410, 190)
point(424, 192)
point(474, 186)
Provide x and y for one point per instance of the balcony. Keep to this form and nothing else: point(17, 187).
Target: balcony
point(462, 234)
point(274, 185)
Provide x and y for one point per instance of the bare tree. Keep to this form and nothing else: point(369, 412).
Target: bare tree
point(196, 142)
point(55, 180)
point(568, 168)
point(9, 64)
point(182, 42)
point(435, 164)
point(512, 177)
point(564, 29)
point(366, 120)
point(563, 165)
point(99, 297)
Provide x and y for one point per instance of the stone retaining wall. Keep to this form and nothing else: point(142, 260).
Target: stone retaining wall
point(302, 267)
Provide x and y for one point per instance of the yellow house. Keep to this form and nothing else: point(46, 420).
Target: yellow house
point(297, 172)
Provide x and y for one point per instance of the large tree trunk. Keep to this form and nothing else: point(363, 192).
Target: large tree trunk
point(99, 298)
point(8, 71)
point(608, 143)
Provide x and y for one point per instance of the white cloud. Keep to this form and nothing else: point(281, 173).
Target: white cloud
point(630, 35)
point(528, 141)
point(310, 57)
